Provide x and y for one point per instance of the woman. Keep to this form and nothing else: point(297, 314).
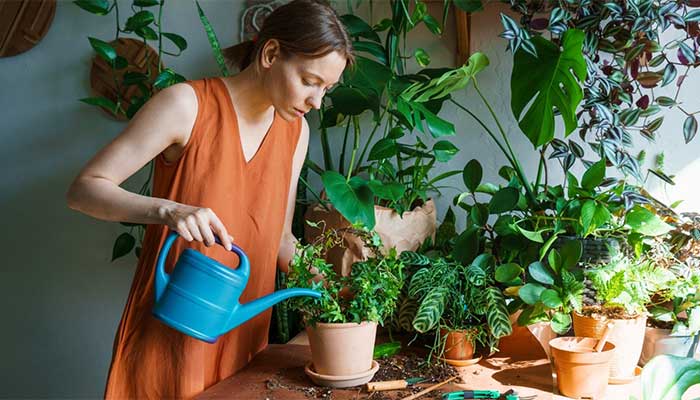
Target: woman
point(227, 152)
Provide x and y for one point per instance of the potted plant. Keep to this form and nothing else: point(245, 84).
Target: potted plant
point(623, 288)
point(383, 175)
point(674, 317)
point(342, 323)
point(461, 305)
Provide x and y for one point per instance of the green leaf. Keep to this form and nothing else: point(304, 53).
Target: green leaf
point(593, 215)
point(101, 102)
point(668, 377)
point(146, 3)
point(533, 236)
point(178, 40)
point(690, 127)
point(645, 222)
point(430, 310)
point(571, 253)
point(392, 191)
point(384, 148)
point(469, 5)
point(479, 214)
point(555, 261)
point(422, 58)
point(530, 293)
point(692, 16)
point(550, 298)
point(147, 33)
point(466, 246)
point(123, 245)
point(367, 74)
point(350, 101)
point(103, 49)
point(358, 27)
point(472, 175)
point(561, 322)
point(375, 49)
point(555, 86)
point(213, 40)
point(432, 24)
point(497, 315)
point(488, 188)
point(98, 7)
point(504, 200)
point(508, 272)
point(139, 20)
point(437, 126)
point(353, 199)
point(594, 175)
point(541, 273)
point(444, 150)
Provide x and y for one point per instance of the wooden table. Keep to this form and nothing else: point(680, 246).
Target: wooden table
point(278, 373)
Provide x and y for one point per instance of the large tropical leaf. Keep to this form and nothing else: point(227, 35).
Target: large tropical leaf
point(548, 82)
point(667, 377)
point(353, 198)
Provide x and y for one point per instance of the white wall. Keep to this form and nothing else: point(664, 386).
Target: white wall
point(62, 297)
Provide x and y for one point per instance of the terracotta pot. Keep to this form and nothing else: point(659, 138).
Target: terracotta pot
point(459, 344)
point(342, 349)
point(659, 341)
point(581, 371)
point(627, 335)
point(405, 232)
point(541, 331)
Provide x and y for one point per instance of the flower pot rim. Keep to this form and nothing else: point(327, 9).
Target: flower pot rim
point(382, 208)
point(310, 371)
point(338, 325)
point(638, 316)
point(552, 343)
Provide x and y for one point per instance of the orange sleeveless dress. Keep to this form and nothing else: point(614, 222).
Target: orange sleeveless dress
point(153, 361)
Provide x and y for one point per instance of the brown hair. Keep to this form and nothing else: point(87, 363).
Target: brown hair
point(307, 28)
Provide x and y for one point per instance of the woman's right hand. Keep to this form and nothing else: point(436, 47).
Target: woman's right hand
point(195, 223)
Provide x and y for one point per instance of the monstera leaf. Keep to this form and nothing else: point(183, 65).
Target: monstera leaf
point(667, 377)
point(548, 82)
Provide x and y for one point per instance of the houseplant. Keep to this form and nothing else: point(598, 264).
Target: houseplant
point(461, 304)
point(382, 176)
point(342, 323)
point(623, 288)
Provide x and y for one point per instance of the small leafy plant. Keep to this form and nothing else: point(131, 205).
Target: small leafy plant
point(369, 293)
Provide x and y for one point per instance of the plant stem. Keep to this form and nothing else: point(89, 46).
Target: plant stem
point(356, 144)
point(341, 162)
point(160, 36)
point(369, 140)
point(327, 158)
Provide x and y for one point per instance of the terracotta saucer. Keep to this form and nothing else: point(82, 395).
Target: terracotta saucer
point(341, 381)
point(461, 363)
point(623, 380)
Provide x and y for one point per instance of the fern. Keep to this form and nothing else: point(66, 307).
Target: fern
point(430, 310)
point(572, 289)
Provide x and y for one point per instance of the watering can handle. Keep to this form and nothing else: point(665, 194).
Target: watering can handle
point(162, 277)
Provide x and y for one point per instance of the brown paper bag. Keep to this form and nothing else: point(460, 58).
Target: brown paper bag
point(403, 233)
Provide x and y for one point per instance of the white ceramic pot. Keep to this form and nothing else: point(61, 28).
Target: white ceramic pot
point(659, 341)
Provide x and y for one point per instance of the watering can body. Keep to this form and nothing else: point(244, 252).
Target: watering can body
point(200, 298)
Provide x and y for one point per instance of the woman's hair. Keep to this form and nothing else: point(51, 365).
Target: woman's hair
point(306, 28)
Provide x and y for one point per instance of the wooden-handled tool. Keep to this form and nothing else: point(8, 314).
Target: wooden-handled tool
point(606, 334)
point(392, 385)
point(430, 389)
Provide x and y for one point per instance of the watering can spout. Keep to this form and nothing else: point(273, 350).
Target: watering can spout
point(255, 307)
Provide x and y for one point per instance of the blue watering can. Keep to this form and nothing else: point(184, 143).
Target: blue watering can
point(200, 297)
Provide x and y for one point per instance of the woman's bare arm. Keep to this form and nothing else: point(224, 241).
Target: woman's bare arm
point(164, 124)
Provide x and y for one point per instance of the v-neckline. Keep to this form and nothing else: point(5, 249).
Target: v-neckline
point(239, 138)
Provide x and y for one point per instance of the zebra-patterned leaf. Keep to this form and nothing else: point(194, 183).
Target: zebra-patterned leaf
point(430, 310)
point(476, 275)
point(420, 281)
point(497, 315)
point(407, 311)
point(413, 258)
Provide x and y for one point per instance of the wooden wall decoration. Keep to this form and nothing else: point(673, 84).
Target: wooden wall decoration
point(141, 58)
point(23, 23)
point(463, 22)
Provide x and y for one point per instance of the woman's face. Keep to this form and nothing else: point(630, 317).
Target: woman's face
point(297, 84)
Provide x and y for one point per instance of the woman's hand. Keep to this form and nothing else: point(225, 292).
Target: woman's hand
point(195, 223)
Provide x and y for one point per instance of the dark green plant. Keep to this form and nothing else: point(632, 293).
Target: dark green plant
point(369, 293)
point(386, 163)
point(553, 290)
point(457, 297)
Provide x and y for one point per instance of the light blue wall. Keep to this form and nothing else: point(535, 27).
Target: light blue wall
point(62, 297)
